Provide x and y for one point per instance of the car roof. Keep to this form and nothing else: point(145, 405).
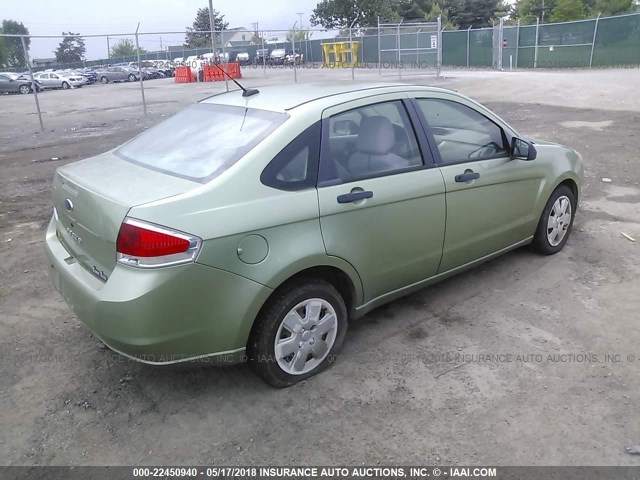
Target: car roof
point(284, 98)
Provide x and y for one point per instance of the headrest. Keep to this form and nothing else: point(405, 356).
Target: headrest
point(376, 135)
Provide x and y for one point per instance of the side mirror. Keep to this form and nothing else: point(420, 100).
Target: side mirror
point(345, 127)
point(522, 149)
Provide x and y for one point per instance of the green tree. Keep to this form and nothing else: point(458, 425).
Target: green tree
point(474, 13)
point(125, 48)
point(14, 52)
point(438, 11)
point(71, 49)
point(362, 13)
point(614, 7)
point(527, 11)
point(3, 52)
point(413, 9)
point(196, 38)
point(567, 11)
point(298, 35)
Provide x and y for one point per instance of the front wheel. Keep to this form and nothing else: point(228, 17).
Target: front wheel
point(556, 221)
point(25, 89)
point(298, 333)
point(132, 78)
point(104, 80)
point(65, 85)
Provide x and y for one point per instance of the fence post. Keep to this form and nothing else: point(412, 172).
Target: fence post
point(226, 60)
point(33, 82)
point(439, 49)
point(593, 43)
point(379, 52)
point(264, 59)
point(500, 44)
point(517, 42)
point(535, 51)
point(293, 44)
point(468, 44)
point(399, 58)
point(144, 102)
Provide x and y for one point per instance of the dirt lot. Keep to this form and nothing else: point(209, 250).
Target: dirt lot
point(395, 396)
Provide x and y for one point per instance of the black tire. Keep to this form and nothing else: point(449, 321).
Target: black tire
point(25, 89)
point(132, 77)
point(65, 86)
point(541, 242)
point(261, 346)
point(104, 80)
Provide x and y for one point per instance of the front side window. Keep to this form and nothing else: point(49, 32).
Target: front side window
point(461, 133)
point(369, 141)
point(202, 141)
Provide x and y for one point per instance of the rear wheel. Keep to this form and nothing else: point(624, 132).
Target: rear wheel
point(25, 89)
point(298, 333)
point(556, 221)
point(104, 80)
point(65, 85)
point(132, 77)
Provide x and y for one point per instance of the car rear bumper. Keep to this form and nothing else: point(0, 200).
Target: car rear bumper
point(164, 315)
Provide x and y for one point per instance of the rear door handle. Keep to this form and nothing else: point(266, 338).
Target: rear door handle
point(467, 177)
point(354, 197)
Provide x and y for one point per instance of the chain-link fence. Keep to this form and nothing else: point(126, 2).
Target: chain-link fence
point(38, 64)
point(599, 42)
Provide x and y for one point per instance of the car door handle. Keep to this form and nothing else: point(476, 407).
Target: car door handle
point(467, 177)
point(354, 197)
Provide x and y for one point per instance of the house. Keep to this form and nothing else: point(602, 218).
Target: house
point(43, 62)
point(233, 35)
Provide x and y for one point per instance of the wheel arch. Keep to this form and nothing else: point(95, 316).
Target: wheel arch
point(349, 287)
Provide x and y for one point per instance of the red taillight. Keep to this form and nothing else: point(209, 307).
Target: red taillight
point(140, 242)
point(146, 245)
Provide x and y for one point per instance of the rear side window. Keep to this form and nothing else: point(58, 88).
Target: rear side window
point(296, 166)
point(202, 141)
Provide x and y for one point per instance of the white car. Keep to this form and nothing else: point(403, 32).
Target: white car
point(62, 80)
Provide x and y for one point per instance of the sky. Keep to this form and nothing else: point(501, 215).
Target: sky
point(52, 17)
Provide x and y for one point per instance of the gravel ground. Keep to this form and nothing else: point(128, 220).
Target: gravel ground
point(411, 386)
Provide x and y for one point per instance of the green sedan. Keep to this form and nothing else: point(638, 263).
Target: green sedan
point(254, 226)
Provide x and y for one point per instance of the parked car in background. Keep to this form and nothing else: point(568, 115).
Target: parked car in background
point(56, 79)
point(294, 56)
point(15, 85)
point(263, 242)
point(178, 61)
point(166, 67)
point(89, 74)
point(262, 56)
point(278, 56)
point(243, 58)
point(117, 74)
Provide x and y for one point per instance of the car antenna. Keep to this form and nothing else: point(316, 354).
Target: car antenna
point(245, 92)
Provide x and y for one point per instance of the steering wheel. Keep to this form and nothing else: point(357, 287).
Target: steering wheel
point(485, 151)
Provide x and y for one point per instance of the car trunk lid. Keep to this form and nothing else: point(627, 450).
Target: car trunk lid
point(92, 198)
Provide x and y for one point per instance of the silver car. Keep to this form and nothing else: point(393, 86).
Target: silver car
point(62, 80)
point(117, 74)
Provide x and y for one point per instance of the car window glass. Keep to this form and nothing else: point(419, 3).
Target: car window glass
point(296, 166)
point(461, 133)
point(369, 141)
point(53, 76)
point(192, 145)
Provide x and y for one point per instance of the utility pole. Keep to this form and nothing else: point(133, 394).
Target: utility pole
point(160, 42)
point(212, 28)
point(542, 21)
point(108, 49)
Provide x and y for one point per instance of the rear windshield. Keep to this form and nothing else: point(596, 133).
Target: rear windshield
point(202, 141)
